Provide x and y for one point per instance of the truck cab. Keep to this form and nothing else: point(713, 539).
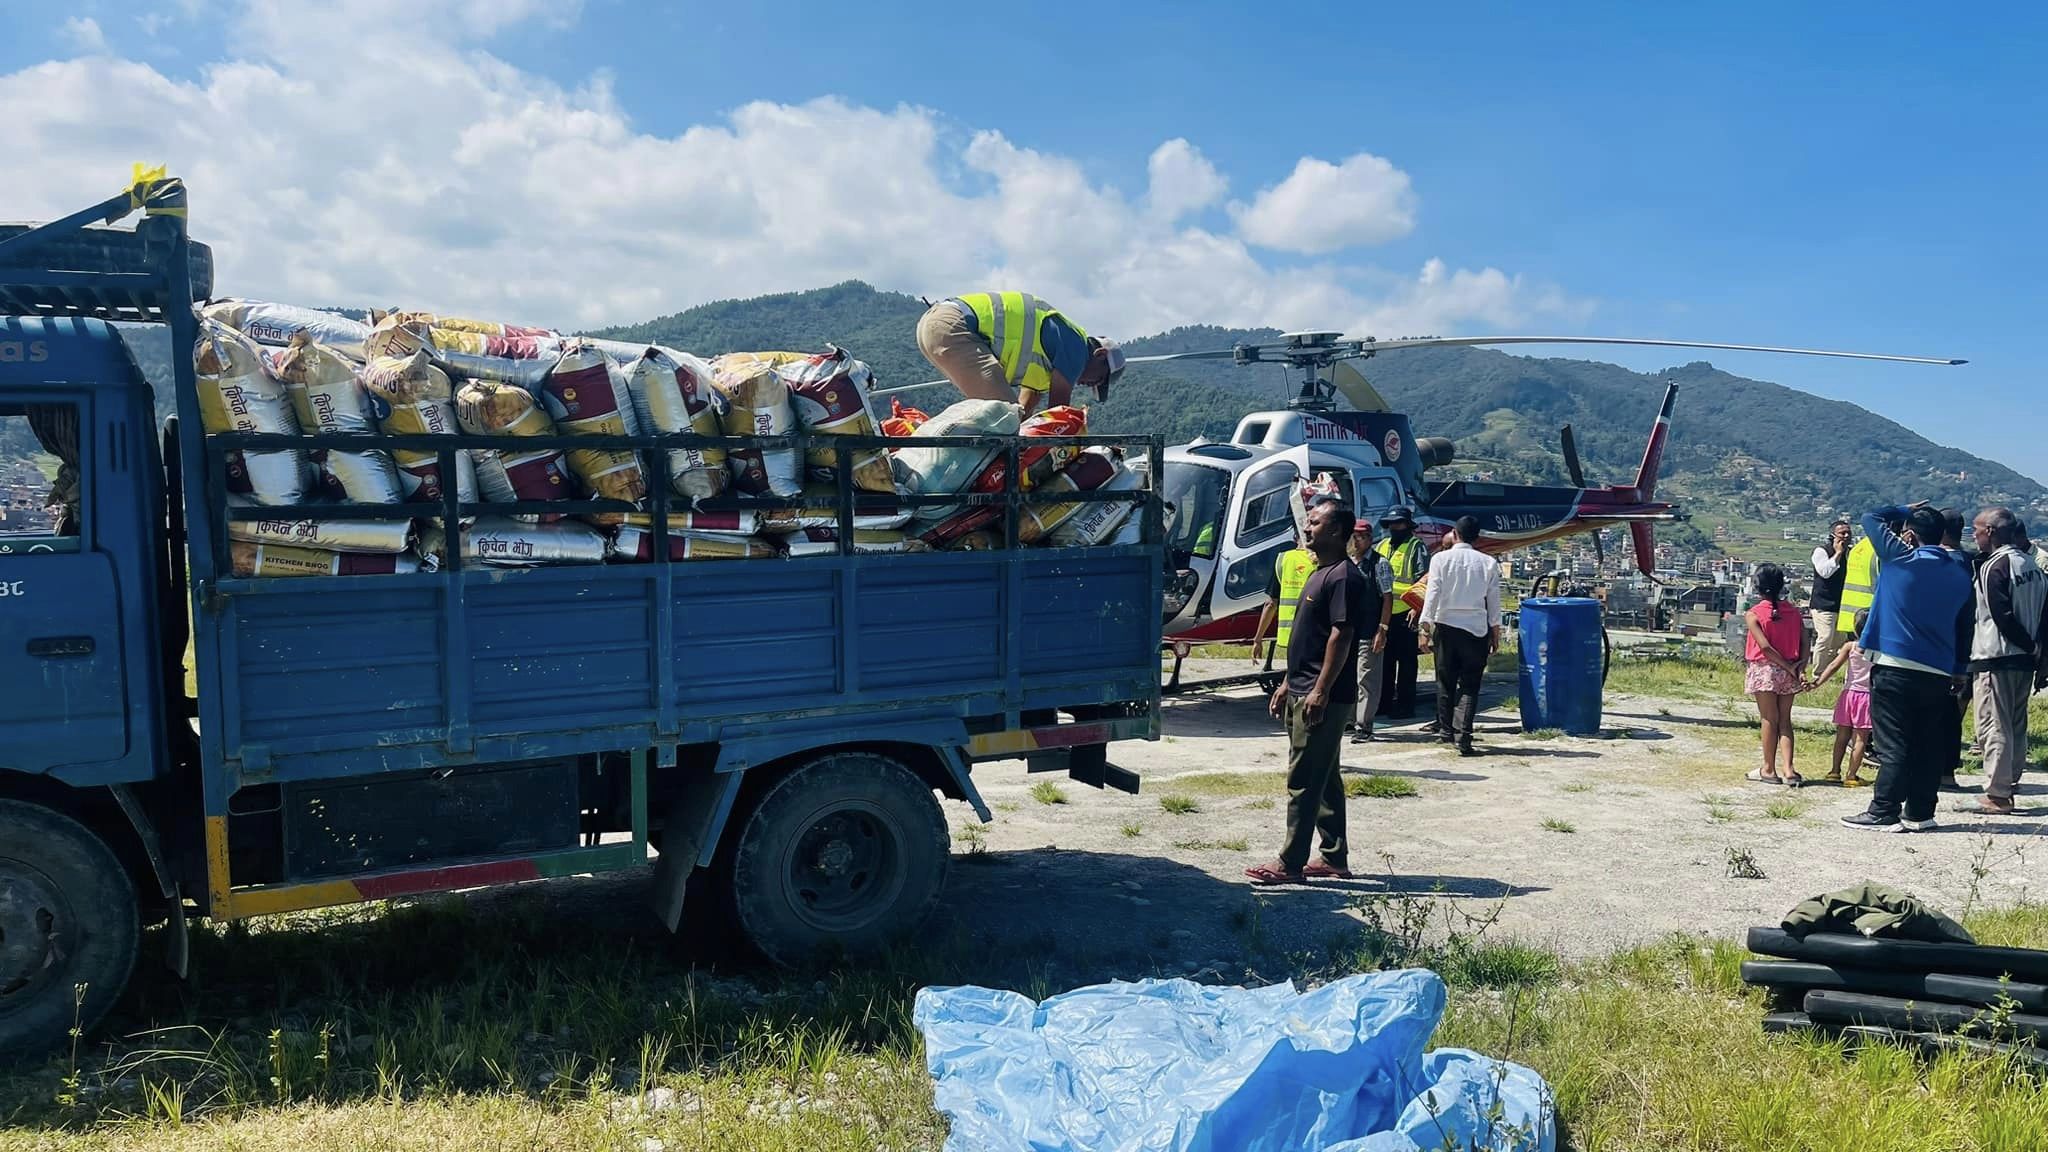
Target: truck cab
point(780, 731)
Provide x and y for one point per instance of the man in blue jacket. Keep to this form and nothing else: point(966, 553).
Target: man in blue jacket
point(1918, 637)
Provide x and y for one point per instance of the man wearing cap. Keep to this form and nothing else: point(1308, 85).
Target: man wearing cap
point(1371, 645)
point(1408, 559)
point(1015, 346)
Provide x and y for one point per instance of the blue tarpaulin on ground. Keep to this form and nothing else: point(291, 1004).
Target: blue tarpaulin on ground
point(1174, 1066)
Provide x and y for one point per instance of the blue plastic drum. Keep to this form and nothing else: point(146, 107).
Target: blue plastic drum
point(1561, 659)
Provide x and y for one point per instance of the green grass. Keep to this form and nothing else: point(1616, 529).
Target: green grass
point(1175, 804)
point(1262, 804)
point(1227, 784)
point(1578, 786)
point(1553, 824)
point(1720, 813)
point(1047, 792)
point(1380, 787)
point(474, 1026)
point(1132, 830)
point(1544, 734)
point(1785, 808)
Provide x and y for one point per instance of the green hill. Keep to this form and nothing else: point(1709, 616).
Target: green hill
point(1503, 410)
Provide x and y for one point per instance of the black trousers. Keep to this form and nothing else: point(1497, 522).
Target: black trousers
point(1397, 670)
point(1911, 715)
point(1460, 666)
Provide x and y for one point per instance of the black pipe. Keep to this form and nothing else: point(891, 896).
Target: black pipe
point(1984, 991)
point(2028, 964)
point(1844, 1008)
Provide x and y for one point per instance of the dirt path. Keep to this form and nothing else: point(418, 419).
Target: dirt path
point(1655, 808)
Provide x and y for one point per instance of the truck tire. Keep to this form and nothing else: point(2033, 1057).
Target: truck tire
point(844, 854)
point(67, 917)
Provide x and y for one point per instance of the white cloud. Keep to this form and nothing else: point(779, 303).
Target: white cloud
point(82, 33)
point(330, 164)
point(1322, 207)
point(1181, 180)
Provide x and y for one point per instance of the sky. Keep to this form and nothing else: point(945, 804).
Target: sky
point(1852, 177)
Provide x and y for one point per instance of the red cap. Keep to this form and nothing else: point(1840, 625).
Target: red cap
point(1362, 524)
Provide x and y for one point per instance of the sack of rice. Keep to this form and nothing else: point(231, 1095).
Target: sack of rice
point(412, 397)
point(637, 544)
point(830, 391)
point(463, 324)
point(1090, 470)
point(238, 393)
point(328, 396)
point(821, 510)
point(938, 471)
point(276, 324)
point(300, 531)
point(742, 523)
point(247, 559)
point(1038, 463)
point(520, 359)
point(825, 541)
point(758, 404)
point(506, 475)
point(501, 542)
point(587, 396)
point(1092, 524)
point(672, 394)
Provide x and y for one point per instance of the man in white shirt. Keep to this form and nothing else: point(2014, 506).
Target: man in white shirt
point(1461, 624)
point(1830, 572)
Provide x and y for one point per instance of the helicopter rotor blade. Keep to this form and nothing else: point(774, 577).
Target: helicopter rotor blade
point(1571, 456)
point(1469, 341)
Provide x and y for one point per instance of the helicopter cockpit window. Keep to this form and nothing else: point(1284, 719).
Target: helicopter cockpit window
point(1376, 494)
point(1194, 497)
point(1266, 513)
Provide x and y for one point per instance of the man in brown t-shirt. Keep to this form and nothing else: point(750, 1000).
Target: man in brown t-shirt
point(1315, 699)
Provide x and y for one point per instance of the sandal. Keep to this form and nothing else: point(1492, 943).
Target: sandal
point(1756, 776)
point(1834, 777)
point(1324, 870)
point(1855, 782)
point(1266, 875)
point(1792, 781)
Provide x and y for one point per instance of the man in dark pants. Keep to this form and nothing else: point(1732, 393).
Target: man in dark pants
point(1408, 559)
point(1461, 624)
point(1315, 700)
point(1918, 636)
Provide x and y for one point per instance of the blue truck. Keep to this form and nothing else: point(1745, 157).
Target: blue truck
point(779, 732)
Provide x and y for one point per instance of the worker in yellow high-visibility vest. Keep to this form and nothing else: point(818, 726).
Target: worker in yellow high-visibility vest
point(1015, 346)
point(1409, 559)
point(1291, 570)
point(1859, 585)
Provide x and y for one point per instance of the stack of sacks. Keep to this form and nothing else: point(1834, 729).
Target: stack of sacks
point(413, 397)
point(328, 396)
point(238, 393)
point(758, 404)
point(1037, 465)
point(673, 394)
point(490, 408)
point(479, 349)
point(277, 324)
point(830, 391)
point(586, 393)
point(694, 535)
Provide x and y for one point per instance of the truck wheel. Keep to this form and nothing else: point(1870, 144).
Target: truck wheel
point(844, 854)
point(67, 917)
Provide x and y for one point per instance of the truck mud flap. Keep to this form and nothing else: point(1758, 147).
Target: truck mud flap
point(1080, 749)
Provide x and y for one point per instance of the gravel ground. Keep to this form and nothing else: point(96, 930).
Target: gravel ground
point(1655, 807)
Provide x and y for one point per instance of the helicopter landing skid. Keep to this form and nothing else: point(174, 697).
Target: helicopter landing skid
point(1267, 680)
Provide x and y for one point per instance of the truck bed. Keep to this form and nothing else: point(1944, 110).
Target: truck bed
point(336, 676)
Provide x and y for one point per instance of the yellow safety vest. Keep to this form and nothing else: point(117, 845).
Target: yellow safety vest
point(1013, 323)
point(1405, 563)
point(1859, 584)
point(1294, 567)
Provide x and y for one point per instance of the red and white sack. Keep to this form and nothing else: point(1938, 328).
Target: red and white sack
point(247, 559)
point(743, 523)
point(673, 394)
point(463, 324)
point(825, 541)
point(293, 529)
point(508, 475)
point(328, 396)
point(758, 404)
point(586, 394)
point(1092, 524)
point(412, 397)
point(821, 510)
point(1090, 470)
point(276, 324)
point(830, 392)
point(238, 393)
point(519, 356)
point(637, 544)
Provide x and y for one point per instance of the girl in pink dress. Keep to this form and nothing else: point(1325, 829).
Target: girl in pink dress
point(1776, 654)
point(1852, 707)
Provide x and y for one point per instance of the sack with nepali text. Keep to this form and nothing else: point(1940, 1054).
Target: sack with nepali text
point(238, 393)
point(586, 393)
point(509, 475)
point(249, 559)
point(277, 324)
point(412, 397)
point(758, 404)
point(830, 392)
point(672, 394)
point(638, 544)
point(502, 542)
point(328, 395)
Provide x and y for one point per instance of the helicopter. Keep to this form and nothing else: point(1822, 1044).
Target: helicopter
point(1231, 508)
